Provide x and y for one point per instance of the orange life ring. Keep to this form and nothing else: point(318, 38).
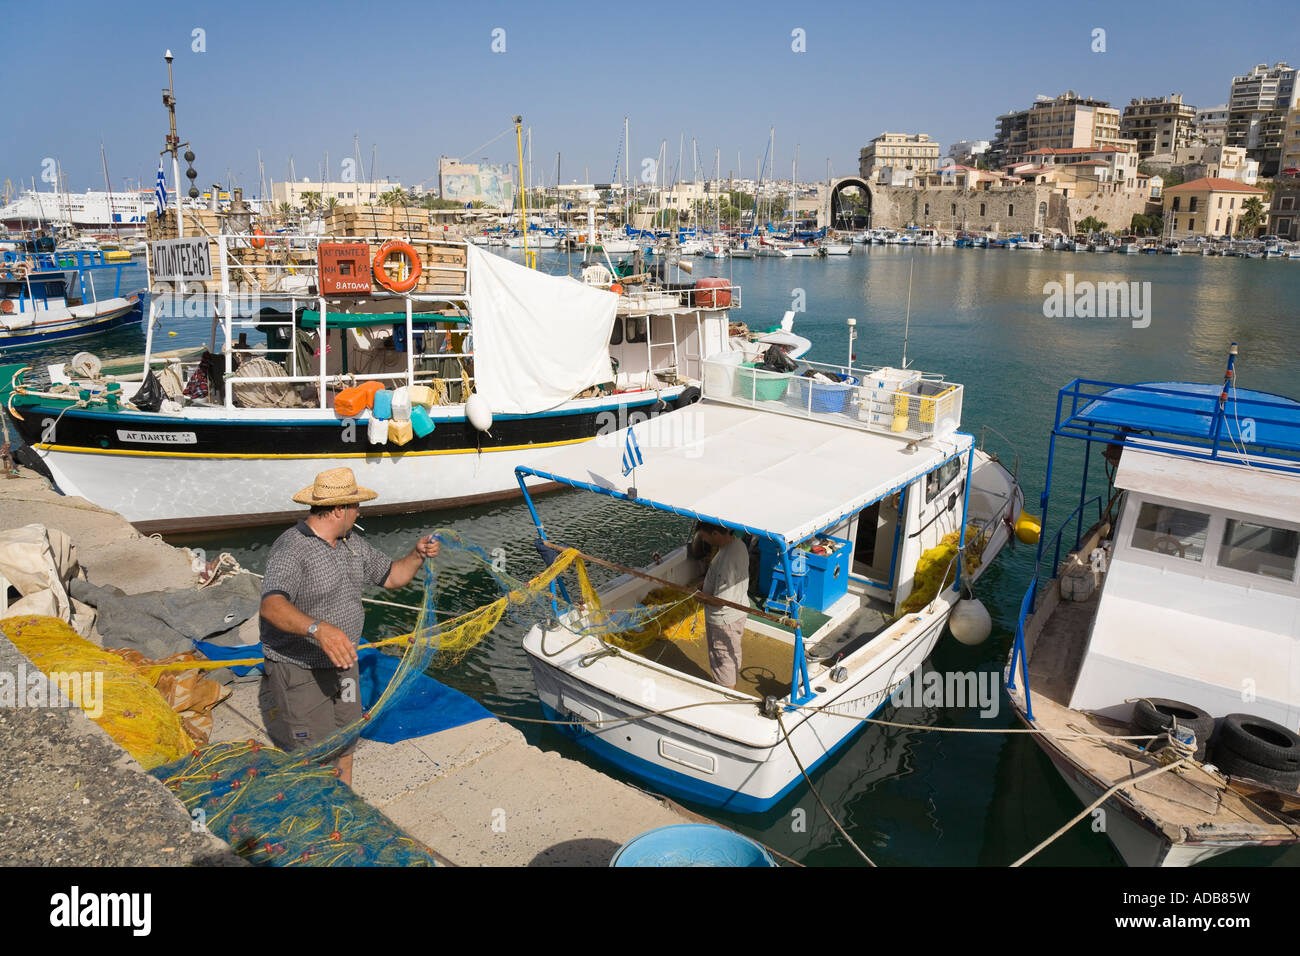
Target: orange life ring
point(6, 306)
point(616, 288)
point(381, 257)
point(259, 239)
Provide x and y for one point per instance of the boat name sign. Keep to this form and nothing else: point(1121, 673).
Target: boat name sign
point(159, 438)
point(181, 259)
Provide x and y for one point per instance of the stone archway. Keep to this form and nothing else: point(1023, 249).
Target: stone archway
point(839, 211)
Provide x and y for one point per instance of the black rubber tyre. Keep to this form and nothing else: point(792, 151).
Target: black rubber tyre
point(1155, 715)
point(1260, 741)
point(1237, 766)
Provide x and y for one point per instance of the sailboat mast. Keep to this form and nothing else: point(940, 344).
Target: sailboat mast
point(108, 184)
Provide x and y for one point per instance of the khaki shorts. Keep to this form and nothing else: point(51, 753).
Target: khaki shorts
point(724, 650)
point(302, 706)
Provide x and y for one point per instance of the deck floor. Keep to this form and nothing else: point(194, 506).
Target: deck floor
point(765, 662)
point(1191, 805)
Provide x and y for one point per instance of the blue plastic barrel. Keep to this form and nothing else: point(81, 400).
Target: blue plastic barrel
point(691, 844)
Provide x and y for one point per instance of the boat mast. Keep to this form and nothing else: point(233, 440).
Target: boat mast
point(108, 184)
point(523, 195)
point(173, 142)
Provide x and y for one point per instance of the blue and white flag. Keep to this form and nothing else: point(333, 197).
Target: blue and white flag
point(160, 190)
point(631, 454)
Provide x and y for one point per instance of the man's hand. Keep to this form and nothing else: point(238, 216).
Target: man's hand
point(405, 568)
point(427, 547)
point(335, 643)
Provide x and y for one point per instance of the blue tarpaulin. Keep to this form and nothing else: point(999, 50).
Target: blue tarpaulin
point(427, 707)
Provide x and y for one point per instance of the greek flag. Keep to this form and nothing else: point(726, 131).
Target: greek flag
point(631, 454)
point(160, 190)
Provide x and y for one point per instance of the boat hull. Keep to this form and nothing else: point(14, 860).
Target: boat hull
point(171, 473)
point(686, 760)
point(118, 314)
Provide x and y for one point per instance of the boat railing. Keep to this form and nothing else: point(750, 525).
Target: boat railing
point(1261, 432)
point(1028, 604)
point(652, 300)
point(923, 406)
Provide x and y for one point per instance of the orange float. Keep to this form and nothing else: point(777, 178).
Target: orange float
point(259, 239)
point(391, 248)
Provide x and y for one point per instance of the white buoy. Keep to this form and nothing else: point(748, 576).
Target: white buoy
point(478, 413)
point(970, 622)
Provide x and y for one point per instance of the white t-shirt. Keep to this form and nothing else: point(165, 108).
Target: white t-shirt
point(727, 578)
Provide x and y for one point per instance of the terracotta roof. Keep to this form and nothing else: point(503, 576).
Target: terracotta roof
point(1215, 184)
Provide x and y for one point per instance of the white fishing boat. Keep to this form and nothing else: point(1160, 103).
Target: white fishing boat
point(797, 250)
point(880, 476)
point(509, 362)
point(831, 248)
point(1175, 615)
point(926, 237)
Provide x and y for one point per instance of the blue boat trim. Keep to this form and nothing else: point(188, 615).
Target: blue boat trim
point(683, 786)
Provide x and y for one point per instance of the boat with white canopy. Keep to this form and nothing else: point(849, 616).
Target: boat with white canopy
point(857, 493)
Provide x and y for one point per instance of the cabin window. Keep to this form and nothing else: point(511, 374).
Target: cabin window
point(1259, 549)
point(940, 478)
point(636, 328)
point(616, 333)
point(1165, 529)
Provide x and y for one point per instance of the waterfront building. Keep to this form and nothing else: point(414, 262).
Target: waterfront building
point(1111, 165)
point(1061, 122)
point(908, 152)
point(967, 152)
point(1284, 210)
point(348, 194)
point(1211, 125)
point(1207, 207)
point(1291, 141)
point(1258, 108)
point(1158, 124)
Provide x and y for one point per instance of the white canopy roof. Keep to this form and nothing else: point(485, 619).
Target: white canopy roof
point(1262, 492)
point(749, 467)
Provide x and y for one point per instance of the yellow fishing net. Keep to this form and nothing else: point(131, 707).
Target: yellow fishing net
point(281, 809)
point(112, 693)
point(936, 567)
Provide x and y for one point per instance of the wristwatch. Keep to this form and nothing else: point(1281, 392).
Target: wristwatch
point(312, 628)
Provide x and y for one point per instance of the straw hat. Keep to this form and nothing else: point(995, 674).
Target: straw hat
point(338, 486)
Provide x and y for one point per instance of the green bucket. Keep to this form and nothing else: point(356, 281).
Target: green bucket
point(761, 385)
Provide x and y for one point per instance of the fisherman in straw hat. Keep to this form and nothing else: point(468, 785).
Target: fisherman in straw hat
point(312, 616)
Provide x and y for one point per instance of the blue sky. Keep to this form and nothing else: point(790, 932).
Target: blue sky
point(422, 80)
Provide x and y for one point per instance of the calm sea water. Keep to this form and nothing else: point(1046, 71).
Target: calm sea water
point(908, 797)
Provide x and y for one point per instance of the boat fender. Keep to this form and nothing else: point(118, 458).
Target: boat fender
point(391, 248)
point(377, 431)
point(478, 413)
point(6, 306)
point(401, 404)
point(970, 622)
point(1028, 528)
point(259, 239)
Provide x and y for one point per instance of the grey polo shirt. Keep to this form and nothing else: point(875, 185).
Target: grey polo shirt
point(323, 582)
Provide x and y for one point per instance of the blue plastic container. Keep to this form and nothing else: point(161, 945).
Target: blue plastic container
point(421, 423)
point(691, 844)
point(383, 405)
point(826, 398)
point(827, 579)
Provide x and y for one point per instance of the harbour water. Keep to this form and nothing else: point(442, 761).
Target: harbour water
point(908, 797)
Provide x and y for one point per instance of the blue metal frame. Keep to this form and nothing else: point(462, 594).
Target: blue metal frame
point(1183, 420)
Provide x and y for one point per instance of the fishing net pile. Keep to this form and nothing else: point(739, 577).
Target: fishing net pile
point(290, 809)
point(937, 567)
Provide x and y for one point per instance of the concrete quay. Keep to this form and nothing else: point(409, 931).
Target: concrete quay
point(476, 795)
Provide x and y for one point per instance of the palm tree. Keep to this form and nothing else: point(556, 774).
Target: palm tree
point(331, 205)
point(310, 202)
point(395, 197)
point(1249, 222)
point(286, 211)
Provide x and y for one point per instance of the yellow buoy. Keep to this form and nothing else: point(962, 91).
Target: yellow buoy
point(1028, 528)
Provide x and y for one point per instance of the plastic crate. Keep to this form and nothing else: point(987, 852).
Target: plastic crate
point(761, 385)
point(825, 397)
point(827, 579)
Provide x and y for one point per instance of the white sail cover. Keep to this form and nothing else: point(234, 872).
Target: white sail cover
point(538, 339)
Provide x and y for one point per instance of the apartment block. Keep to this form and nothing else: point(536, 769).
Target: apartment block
point(1158, 124)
